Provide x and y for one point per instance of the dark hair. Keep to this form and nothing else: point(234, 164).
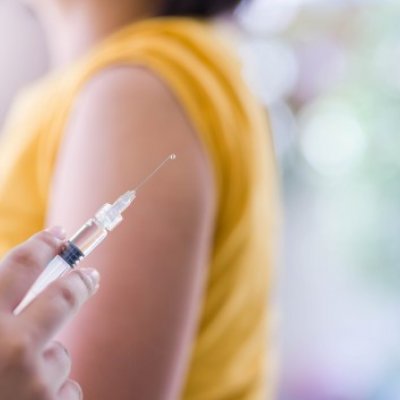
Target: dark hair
point(198, 8)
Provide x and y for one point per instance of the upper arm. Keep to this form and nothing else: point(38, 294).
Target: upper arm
point(135, 335)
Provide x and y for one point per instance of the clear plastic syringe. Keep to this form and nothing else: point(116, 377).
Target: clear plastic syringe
point(85, 240)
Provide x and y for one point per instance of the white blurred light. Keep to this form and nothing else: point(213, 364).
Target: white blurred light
point(270, 69)
point(323, 63)
point(265, 17)
point(386, 62)
point(332, 139)
point(284, 128)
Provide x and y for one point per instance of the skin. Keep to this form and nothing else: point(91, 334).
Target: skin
point(72, 27)
point(32, 365)
point(136, 336)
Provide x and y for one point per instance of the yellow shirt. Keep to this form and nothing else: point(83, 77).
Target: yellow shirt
point(230, 353)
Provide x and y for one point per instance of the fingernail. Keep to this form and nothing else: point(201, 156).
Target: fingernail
point(65, 350)
point(77, 389)
point(93, 276)
point(58, 232)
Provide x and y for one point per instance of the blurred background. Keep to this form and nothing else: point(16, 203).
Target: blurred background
point(328, 72)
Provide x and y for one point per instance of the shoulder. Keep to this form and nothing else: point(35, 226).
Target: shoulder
point(125, 120)
point(132, 88)
point(135, 99)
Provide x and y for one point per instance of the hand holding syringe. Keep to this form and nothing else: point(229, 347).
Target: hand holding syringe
point(85, 240)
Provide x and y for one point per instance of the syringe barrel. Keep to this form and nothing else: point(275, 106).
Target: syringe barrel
point(89, 236)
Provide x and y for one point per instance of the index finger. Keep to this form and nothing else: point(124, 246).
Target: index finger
point(57, 304)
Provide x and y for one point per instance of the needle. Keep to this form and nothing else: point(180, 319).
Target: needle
point(169, 158)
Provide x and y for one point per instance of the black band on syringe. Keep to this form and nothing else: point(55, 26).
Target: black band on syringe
point(71, 255)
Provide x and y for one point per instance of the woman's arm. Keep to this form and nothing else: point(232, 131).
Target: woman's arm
point(134, 339)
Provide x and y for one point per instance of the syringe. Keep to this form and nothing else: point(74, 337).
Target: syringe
point(88, 237)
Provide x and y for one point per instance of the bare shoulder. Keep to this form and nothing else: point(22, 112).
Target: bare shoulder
point(125, 81)
point(131, 118)
point(134, 92)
